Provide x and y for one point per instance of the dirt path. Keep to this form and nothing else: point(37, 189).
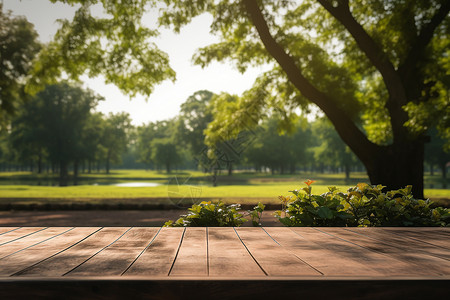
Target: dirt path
point(102, 218)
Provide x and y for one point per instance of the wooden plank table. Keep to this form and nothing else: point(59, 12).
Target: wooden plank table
point(238, 263)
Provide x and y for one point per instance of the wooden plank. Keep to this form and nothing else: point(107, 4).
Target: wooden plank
point(436, 236)
point(4, 230)
point(192, 257)
point(18, 234)
point(69, 259)
point(115, 259)
point(159, 256)
point(359, 260)
point(274, 259)
point(23, 259)
point(419, 264)
point(329, 256)
point(403, 242)
point(31, 240)
point(227, 256)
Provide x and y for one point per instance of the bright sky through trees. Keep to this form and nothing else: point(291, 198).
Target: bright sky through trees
point(165, 102)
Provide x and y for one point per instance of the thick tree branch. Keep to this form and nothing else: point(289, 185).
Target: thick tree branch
point(379, 59)
point(421, 42)
point(348, 131)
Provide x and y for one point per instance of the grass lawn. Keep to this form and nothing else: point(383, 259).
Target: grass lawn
point(239, 188)
point(163, 194)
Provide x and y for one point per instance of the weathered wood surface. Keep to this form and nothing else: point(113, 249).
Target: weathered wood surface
point(224, 252)
point(46, 259)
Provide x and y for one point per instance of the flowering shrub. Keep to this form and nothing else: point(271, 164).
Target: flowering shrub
point(362, 205)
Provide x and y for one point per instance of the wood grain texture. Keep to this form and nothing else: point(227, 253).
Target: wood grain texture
point(116, 258)
point(31, 256)
point(272, 257)
point(413, 263)
point(404, 243)
point(31, 240)
point(159, 256)
point(228, 257)
point(72, 257)
point(356, 255)
point(192, 259)
point(4, 230)
point(329, 256)
point(436, 236)
point(225, 253)
point(20, 233)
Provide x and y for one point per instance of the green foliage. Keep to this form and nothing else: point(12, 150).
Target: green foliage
point(256, 214)
point(114, 136)
point(362, 205)
point(331, 150)
point(211, 215)
point(277, 151)
point(377, 69)
point(18, 46)
point(116, 46)
point(53, 123)
point(165, 152)
point(195, 114)
point(158, 145)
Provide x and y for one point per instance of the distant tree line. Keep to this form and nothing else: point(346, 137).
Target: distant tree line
point(58, 131)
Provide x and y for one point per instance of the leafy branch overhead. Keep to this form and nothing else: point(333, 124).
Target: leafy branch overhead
point(377, 69)
point(117, 46)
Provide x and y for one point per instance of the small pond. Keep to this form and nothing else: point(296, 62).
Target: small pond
point(137, 184)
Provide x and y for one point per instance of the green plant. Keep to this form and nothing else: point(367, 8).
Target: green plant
point(256, 214)
point(362, 205)
point(210, 214)
point(217, 215)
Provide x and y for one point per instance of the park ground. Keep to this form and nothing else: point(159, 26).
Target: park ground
point(103, 200)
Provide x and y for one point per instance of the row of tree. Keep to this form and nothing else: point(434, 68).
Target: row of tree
point(59, 129)
point(312, 145)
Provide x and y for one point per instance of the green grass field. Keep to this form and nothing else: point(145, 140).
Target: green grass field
point(240, 188)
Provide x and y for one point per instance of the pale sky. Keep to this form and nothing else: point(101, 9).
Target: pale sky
point(166, 99)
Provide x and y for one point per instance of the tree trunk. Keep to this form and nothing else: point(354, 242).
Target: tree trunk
point(168, 167)
point(292, 169)
point(63, 173)
point(40, 163)
point(431, 169)
point(107, 162)
point(347, 171)
point(75, 171)
point(394, 166)
point(230, 168)
point(89, 166)
point(444, 170)
point(397, 166)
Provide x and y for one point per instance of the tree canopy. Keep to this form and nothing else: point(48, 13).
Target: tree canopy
point(18, 46)
point(116, 46)
point(378, 69)
point(53, 122)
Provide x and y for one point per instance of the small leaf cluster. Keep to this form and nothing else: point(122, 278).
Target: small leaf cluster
point(362, 205)
point(210, 214)
point(256, 214)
